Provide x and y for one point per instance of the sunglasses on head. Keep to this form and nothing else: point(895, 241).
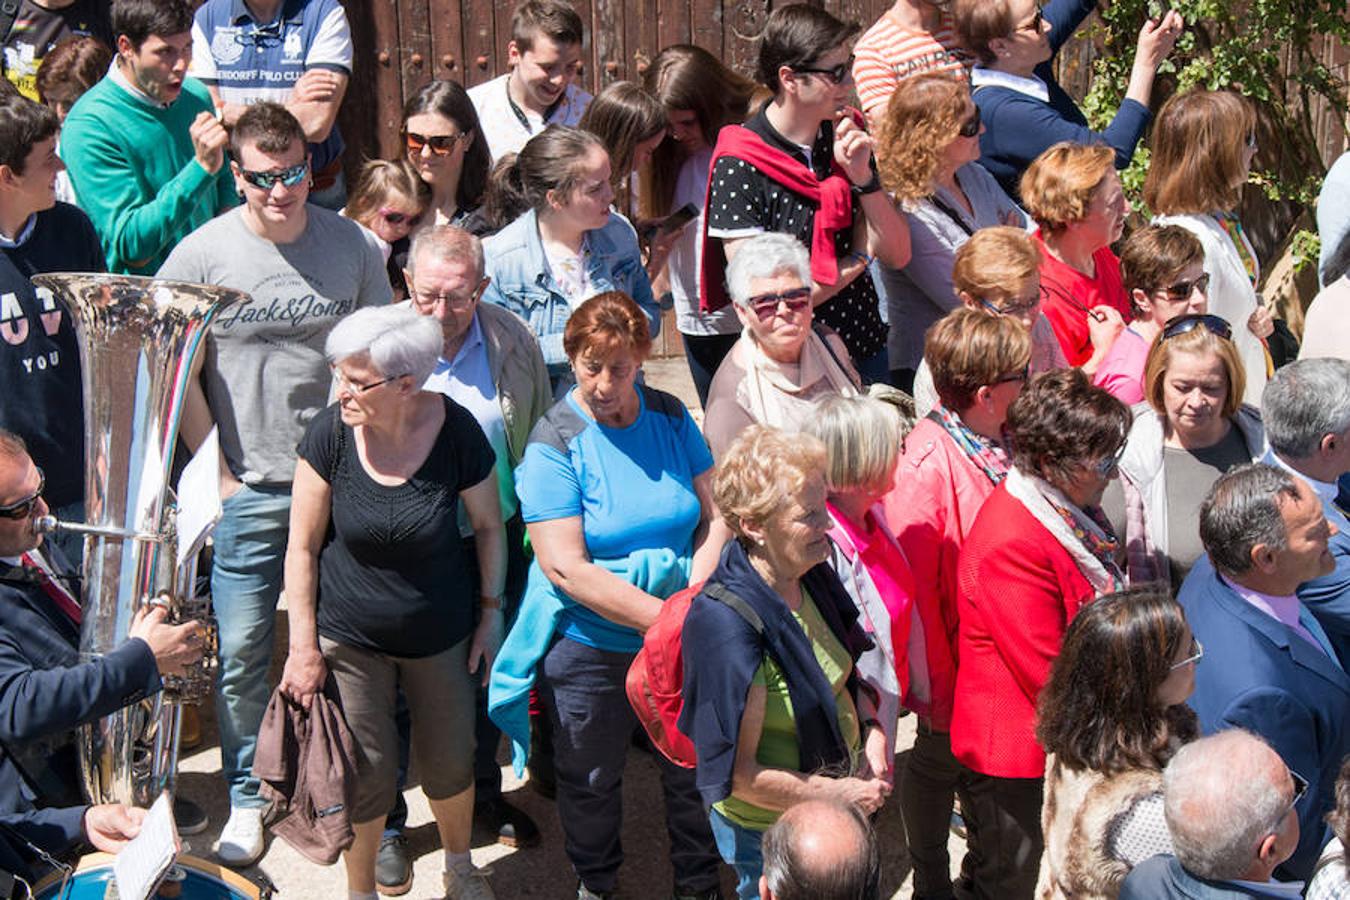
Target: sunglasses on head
point(396, 218)
point(1182, 290)
point(1215, 325)
point(289, 177)
point(766, 305)
point(24, 508)
point(837, 74)
point(971, 127)
point(440, 144)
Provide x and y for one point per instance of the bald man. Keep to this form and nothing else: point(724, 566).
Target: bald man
point(820, 850)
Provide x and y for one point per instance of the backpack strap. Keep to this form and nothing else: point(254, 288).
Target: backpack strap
point(725, 595)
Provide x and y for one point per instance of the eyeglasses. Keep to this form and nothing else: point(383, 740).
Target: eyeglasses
point(766, 305)
point(289, 177)
point(971, 127)
point(1105, 466)
point(1215, 325)
point(836, 74)
point(396, 218)
point(1251, 140)
point(1182, 290)
point(1300, 787)
point(428, 300)
point(24, 508)
point(440, 144)
point(1023, 376)
point(1197, 654)
point(1034, 25)
point(1015, 307)
point(343, 382)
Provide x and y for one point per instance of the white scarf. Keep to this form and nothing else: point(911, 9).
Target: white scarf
point(773, 397)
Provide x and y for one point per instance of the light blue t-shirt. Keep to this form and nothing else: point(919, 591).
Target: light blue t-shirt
point(632, 487)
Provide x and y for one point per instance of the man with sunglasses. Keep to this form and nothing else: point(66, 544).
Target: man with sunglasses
point(263, 378)
point(803, 166)
point(1269, 664)
point(46, 689)
point(145, 150)
point(1229, 802)
point(294, 52)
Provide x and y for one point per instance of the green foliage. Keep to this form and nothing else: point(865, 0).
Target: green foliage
point(1265, 49)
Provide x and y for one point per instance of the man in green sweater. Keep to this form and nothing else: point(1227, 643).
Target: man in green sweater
point(145, 150)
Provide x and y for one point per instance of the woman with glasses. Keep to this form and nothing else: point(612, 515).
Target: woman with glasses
point(375, 583)
point(927, 147)
point(1195, 428)
point(568, 246)
point(953, 459)
point(1040, 549)
point(443, 142)
point(996, 273)
point(1162, 269)
point(1025, 110)
point(1203, 145)
point(1111, 716)
point(782, 364)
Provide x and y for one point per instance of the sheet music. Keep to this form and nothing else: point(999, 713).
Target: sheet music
point(199, 497)
point(142, 863)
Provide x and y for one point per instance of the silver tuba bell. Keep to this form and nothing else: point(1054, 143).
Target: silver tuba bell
point(138, 338)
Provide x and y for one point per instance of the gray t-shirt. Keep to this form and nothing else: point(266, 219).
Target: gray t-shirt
point(265, 372)
point(1190, 474)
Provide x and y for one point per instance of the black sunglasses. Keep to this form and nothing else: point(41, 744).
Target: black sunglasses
point(1182, 290)
point(1035, 24)
point(971, 127)
point(837, 74)
point(289, 177)
point(1022, 375)
point(24, 508)
point(1215, 325)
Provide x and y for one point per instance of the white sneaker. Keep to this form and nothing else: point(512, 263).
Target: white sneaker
point(241, 840)
point(473, 886)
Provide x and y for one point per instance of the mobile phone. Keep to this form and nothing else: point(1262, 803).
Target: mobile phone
point(678, 219)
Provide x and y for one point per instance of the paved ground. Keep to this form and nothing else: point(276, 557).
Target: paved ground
point(541, 872)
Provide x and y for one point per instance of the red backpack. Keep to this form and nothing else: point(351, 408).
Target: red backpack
point(655, 681)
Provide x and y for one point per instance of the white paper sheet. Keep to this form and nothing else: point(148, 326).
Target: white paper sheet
point(199, 497)
point(142, 863)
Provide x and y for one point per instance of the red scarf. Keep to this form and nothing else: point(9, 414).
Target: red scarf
point(831, 196)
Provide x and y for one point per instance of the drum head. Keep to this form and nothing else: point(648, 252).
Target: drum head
point(202, 880)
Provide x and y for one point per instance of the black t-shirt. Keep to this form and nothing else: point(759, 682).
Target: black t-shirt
point(742, 197)
point(36, 31)
point(41, 399)
point(391, 572)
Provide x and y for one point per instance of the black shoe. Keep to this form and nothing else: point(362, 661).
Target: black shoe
point(712, 893)
point(510, 825)
point(188, 816)
point(393, 869)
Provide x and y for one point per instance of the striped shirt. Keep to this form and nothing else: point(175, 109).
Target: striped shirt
point(890, 52)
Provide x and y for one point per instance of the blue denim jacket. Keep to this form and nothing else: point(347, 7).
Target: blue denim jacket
point(522, 282)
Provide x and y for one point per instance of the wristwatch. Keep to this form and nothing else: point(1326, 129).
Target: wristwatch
point(871, 187)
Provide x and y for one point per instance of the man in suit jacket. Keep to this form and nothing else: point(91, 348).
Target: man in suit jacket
point(45, 689)
point(1306, 410)
point(1269, 666)
point(1229, 802)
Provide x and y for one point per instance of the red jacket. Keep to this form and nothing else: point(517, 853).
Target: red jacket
point(930, 510)
point(1017, 590)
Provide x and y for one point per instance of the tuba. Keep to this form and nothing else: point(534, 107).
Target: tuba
point(138, 338)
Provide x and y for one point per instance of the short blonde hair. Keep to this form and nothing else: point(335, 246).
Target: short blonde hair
point(1057, 187)
point(762, 469)
point(862, 437)
point(995, 263)
point(1200, 341)
point(968, 349)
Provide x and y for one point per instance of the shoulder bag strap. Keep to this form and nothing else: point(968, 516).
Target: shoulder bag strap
point(724, 595)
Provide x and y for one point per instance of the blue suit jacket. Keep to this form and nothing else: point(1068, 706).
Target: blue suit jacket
point(45, 692)
point(1163, 878)
point(1328, 597)
point(1258, 675)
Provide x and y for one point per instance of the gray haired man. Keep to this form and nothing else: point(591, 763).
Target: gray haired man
point(820, 850)
point(1306, 409)
point(1229, 804)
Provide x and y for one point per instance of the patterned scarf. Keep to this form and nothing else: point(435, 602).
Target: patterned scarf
point(1084, 534)
point(989, 457)
point(1233, 228)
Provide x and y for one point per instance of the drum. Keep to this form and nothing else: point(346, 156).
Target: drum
point(191, 879)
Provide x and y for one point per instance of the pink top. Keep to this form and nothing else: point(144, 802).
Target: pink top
point(1284, 610)
point(1121, 373)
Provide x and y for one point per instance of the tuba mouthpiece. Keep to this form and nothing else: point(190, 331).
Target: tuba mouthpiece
point(47, 525)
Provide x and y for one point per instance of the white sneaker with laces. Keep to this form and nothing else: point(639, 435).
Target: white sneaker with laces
point(241, 840)
point(471, 886)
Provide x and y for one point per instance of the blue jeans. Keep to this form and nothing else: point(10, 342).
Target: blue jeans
point(250, 548)
point(582, 690)
point(740, 849)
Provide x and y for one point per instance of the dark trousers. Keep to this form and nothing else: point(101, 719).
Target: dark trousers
point(487, 774)
point(932, 780)
point(705, 353)
point(582, 690)
point(1006, 812)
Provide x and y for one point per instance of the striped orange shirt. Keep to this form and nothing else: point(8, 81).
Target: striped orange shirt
point(890, 52)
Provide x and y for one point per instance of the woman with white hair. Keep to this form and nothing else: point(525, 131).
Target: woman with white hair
point(782, 364)
point(374, 583)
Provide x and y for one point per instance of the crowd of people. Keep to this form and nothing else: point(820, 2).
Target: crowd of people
point(1081, 515)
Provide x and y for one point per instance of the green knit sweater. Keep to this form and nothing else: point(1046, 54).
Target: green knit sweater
point(135, 172)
